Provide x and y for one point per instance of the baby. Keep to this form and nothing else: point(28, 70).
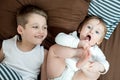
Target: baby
point(79, 57)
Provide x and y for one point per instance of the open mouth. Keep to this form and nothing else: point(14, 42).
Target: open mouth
point(88, 37)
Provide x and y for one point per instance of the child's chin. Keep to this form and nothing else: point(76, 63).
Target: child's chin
point(37, 43)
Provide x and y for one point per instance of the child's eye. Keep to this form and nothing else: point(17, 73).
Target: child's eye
point(35, 26)
point(45, 27)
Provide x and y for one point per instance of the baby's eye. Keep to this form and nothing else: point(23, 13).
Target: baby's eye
point(97, 32)
point(89, 27)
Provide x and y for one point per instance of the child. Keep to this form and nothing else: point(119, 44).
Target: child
point(67, 61)
point(22, 56)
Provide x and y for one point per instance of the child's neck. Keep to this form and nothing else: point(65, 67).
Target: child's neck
point(24, 47)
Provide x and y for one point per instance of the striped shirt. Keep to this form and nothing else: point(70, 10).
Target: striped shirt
point(109, 11)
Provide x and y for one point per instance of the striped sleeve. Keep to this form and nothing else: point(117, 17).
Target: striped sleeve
point(108, 10)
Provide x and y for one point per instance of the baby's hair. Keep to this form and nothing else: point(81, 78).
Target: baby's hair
point(93, 17)
point(25, 11)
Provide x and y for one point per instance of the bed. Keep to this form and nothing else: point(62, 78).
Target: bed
point(63, 16)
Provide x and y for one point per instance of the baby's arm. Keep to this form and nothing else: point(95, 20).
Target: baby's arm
point(43, 67)
point(92, 70)
point(71, 40)
point(67, 40)
point(98, 56)
point(96, 67)
point(84, 44)
point(85, 73)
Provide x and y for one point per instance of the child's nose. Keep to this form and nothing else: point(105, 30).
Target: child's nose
point(40, 31)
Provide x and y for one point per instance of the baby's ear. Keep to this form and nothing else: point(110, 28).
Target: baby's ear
point(98, 43)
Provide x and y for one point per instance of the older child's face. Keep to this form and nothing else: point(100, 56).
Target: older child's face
point(35, 30)
point(92, 31)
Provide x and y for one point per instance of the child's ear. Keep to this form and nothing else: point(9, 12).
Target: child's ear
point(19, 29)
point(79, 30)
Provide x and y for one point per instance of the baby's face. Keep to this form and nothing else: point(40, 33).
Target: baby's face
point(92, 31)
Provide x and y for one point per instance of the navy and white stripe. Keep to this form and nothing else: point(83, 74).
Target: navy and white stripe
point(7, 73)
point(108, 10)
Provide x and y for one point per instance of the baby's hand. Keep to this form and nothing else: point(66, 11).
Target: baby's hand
point(96, 67)
point(84, 57)
point(84, 44)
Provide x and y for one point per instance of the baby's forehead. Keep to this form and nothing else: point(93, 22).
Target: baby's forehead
point(94, 21)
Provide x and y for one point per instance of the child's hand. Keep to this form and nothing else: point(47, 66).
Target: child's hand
point(84, 44)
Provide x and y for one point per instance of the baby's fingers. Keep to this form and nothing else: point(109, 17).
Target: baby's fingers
point(83, 59)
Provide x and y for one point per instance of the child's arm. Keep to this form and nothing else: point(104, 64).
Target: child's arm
point(1, 55)
point(43, 67)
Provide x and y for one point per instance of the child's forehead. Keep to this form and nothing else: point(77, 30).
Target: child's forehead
point(32, 16)
point(36, 19)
